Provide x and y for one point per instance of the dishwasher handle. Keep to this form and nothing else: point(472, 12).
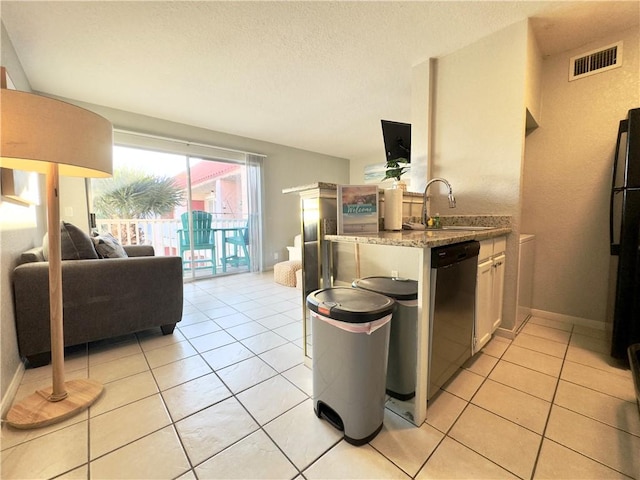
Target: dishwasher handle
point(449, 254)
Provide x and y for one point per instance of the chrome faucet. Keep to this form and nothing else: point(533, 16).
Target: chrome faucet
point(424, 216)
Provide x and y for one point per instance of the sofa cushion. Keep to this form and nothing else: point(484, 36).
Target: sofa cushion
point(74, 243)
point(108, 246)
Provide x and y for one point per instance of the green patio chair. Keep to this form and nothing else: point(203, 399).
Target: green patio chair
point(203, 240)
point(238, 239)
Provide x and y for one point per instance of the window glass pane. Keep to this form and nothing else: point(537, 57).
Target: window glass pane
point(148, 199)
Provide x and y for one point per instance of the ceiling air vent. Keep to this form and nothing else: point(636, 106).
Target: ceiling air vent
point(596, 61)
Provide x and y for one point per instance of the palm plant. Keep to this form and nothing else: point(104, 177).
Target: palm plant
point(134, 194)
point(395, 169)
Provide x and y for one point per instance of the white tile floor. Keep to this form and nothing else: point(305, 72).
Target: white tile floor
point(227, 396)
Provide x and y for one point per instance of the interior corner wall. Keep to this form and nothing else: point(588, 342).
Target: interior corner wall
point(533, 95)
point(20, 229)
point(73, 202)
point(356, 169)
point(478, 136)
point(567, 178)
point(421, 115)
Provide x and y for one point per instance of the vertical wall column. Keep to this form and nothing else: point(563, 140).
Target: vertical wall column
point(422, 78)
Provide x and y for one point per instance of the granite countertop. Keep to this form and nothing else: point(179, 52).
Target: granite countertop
point(421, 238)
point(500, 225)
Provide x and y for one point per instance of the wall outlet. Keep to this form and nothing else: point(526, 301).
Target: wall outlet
point(394, 273)
point(276, 255)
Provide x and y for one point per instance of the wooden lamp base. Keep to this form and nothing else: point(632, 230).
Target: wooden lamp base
point(37, 410)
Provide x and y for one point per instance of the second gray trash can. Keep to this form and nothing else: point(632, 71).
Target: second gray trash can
point(350, 329)
point(403, 348)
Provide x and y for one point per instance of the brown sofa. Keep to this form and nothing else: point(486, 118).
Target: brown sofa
point(102, 297)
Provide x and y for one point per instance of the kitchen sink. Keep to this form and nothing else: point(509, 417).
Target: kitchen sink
point(465, 227)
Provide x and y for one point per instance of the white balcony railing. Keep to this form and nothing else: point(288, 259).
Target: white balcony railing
point(162, 234)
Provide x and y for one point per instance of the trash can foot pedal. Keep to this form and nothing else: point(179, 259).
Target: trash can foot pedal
point(361, 441)
point(330, 415)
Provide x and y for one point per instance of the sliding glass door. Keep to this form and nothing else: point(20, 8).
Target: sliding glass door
point(194, 207)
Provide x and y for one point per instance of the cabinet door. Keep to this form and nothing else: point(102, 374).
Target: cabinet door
point(498, 289)
point(484, 298)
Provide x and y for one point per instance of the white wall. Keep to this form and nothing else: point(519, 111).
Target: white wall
point(533, 79)
point(471, 127)
point(561, 192)
point(421, 117)
point(73, 202)
point(478, 135)
point(567, 178)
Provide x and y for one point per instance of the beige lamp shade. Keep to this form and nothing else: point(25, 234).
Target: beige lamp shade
point(37, 131)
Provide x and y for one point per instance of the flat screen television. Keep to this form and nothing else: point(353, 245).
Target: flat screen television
point(397, 140)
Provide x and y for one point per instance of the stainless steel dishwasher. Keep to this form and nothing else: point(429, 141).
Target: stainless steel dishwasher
point(453, 291)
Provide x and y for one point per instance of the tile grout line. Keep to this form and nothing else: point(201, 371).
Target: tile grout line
point(477, 406)
point(278, 373)
point(551, 405)
point(172, 423)
point(87, 355)
point(89, 417)
point(468, 402)
point(234, 396)
point(564, 360)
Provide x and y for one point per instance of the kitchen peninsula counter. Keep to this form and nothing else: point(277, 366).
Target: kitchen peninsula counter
point(331, 260)
point(422, 238)
point(402, 254)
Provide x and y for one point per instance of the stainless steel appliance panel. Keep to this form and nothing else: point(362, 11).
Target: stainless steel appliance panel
point(453, 283)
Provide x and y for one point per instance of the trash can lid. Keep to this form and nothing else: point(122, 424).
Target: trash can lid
point(398, 288)
point(350, 304)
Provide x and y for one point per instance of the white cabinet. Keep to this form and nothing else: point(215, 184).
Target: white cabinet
point(498, 290)
point(489, 290)
point(484, 298)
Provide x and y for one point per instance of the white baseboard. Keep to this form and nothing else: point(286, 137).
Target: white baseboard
point(504, 333)
point(559, 317)
point(554, 317)
point(9, 395)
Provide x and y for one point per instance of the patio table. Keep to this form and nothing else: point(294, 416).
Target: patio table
point(229, 232)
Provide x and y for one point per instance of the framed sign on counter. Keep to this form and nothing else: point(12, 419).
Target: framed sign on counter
point(357, 209)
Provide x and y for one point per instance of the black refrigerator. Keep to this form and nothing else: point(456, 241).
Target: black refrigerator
point(624, 231)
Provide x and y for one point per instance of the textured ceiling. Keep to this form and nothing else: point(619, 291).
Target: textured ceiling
point(313, 75)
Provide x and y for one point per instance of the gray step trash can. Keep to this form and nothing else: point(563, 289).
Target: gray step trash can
point(350, 329)
point(403, 347)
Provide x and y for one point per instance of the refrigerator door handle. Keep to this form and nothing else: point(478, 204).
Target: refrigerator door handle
point(623, 128)
point(614, 247)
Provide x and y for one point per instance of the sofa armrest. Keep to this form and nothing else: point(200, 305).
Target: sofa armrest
point(139, 250)
point(32, 255)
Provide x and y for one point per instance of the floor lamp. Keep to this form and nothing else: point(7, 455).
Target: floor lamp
point(55, 138)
